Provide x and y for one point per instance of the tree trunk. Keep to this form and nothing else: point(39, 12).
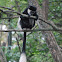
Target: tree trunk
point(50, 39)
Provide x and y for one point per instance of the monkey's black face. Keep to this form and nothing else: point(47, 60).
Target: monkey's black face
point(31, 12)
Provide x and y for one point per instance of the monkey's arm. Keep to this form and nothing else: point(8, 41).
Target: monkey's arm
point(36, 16)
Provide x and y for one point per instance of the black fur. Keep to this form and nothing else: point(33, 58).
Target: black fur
point(27, 22)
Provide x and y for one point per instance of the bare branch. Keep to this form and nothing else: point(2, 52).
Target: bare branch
point(51, 24)
point(12, 17)
point(43, 29)
point(6, 8)
point(17, 13)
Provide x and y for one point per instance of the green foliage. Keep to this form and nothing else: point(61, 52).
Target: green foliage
point(13, 55)
point(36, 47)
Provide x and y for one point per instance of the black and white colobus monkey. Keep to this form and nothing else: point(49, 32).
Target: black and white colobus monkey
point(27, 23)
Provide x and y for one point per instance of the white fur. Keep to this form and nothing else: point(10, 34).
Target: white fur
point(23, 58)
point(19, 26)
point(29, 11)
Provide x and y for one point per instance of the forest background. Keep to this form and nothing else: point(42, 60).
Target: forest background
point(41, 46)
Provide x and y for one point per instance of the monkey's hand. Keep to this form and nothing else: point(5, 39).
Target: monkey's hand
point(21, 16)
point(36, 17)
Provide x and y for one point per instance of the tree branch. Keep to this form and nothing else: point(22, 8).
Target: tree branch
point(6, 8)
point(43, 29)
point(48, 22)
point(51, 24)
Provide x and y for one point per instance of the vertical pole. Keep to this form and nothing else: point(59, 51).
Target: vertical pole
point(9, 36)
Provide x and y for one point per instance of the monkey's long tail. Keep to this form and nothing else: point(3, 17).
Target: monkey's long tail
point(23, 54)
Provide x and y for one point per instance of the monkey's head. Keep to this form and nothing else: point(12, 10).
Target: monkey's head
point(32, 10)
